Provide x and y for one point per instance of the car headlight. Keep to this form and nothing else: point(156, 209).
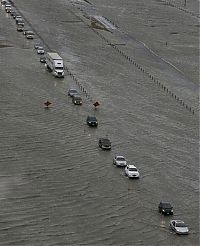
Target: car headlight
point(163, 210)
point(172, 210)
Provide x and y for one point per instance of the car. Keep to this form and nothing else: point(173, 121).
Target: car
point(40, 50)
point(72, 92)
point(119, 161)
point(43, 59)
point(104, 143)
point(20, 28)
point(29, 34)
point(20, 23)
point(18, 17)
point(131, 171)
point(179, 227)
point(92, 121)
point(165, 208)
point(77, 100)
point(8, 8)
point(37, 45)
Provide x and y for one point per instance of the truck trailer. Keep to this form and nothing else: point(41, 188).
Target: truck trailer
point(55, 64)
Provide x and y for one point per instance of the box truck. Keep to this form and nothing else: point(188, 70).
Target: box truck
point(55, 64)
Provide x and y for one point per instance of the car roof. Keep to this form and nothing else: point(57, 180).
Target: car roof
point(131, 165)
point(178, 221)
point(120, 156)
point(73, 90)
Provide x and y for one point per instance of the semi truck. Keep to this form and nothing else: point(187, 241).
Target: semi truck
point(54, 63)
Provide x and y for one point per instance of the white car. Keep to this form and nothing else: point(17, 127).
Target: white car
point(40, 50)
point(179, 226)
point(131, 171)
point(119, 161)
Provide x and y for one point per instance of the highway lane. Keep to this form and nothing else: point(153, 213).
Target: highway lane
point(57, 187)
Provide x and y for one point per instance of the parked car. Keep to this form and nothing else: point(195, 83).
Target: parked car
point(119, 161)
point(40, 50)
point(179, 227)
point(42, 59)
point(92, 121)
point(165, 208)
point(20, 28)
point(131, 171)
point(104, 143)
point(77, 100)
point(72, 92)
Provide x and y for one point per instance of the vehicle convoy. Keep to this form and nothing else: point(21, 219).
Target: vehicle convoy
point(55, 64)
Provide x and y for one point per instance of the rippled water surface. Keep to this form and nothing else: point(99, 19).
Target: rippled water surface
point(56, 186)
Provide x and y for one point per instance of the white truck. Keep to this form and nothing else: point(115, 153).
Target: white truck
point(55, 64)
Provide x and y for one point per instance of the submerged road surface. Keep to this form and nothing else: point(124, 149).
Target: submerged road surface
point(56, 186)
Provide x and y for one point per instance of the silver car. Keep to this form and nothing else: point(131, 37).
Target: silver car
point(179, 226)
point(40, 50)
point(119, 161)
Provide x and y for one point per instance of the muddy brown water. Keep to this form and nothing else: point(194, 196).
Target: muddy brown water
point(56, 186)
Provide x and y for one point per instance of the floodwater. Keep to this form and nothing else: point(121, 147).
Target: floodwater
point(56, 186)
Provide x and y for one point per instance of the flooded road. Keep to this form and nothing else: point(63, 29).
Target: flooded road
point(56, 186)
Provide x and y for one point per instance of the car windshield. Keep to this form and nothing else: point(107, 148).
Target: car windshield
point(166, 205)
point(180, 224)
point(92, 118)
point(59, 68)
point(120, 158)
point(73, 91)
point(133, 169)
point(106, 141)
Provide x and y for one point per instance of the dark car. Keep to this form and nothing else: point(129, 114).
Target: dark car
point(92, 121)
point(42, 59)
point(165, 208)
point(105, 143)
point(77, 100)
